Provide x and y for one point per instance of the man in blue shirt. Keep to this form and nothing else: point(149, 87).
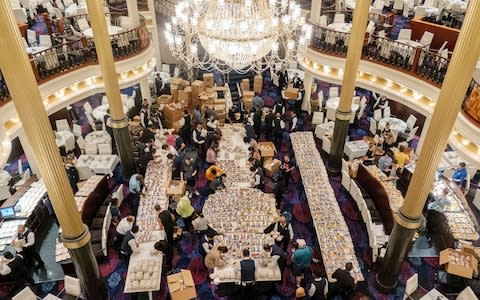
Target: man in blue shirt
point(135, 188)
point(460, 174)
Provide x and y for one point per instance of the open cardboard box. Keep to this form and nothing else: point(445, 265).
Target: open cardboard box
point(176, 189)
point(271, 166)
point(267, 149)
point(181, 290)
point(455, 268)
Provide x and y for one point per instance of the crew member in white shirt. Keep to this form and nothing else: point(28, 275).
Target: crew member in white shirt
point(124, 226)
point(24, 243)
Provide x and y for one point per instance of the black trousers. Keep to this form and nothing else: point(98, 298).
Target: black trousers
point(30, 254)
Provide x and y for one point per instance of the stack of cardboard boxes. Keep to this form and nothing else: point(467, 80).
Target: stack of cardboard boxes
point(258, 83)
point(271, 165)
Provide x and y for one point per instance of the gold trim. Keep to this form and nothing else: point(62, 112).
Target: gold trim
point(122, 123)
point(407, 222)
point(343, 115)
point(78, 242)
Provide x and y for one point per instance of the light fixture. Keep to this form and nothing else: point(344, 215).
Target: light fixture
point(237, 35)
point(5, 147)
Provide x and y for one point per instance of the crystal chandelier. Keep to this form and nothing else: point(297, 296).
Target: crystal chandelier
point(237, 35)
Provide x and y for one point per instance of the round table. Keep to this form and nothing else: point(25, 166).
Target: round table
point(100, 111)
point(112, 30)
point(341, 27)
point(98, 137)
point(332, 105)
point(65, 139)
point(396, 124)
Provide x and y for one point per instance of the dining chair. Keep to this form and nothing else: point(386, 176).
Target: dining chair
point(377, 114)
point(398, 5)
point(81, 144)
point(361, 112)
point(339, 18)
point(427, 39)
point(467, 294)
point(20, 15)
point(62, 125)
point(411, 121)
point(333, 92)
point(83, 24)
point(387, 112)
point(25, 294)
point(412, 133)
point(32, 37)
point(77, 130)
point(411, 286)
point(90, 148)
point(346, 180)
point(323, 21)
point(317, 118)
point(15, 4)
point(405, 34)
point(406, 10)
point(419, 11)
point(87, 107)
point(373, 126)
point(45, 40)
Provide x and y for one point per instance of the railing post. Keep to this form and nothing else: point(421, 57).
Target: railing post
point(416, 59)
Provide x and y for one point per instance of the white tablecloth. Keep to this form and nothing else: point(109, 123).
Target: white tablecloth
point(137, 259)
point(112, 30)
point(341, 27)
point(100, 111)
point(332, 105)
point(99, 164)
point(34, 50)
point(431, 11)
point(396, 124)
point(456, 5)
point(356, 149)
point(324, 129)
point(4, 179)
point(66, 139)
point(98, 137)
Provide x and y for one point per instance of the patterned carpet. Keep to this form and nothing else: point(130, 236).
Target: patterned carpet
point(187, 256)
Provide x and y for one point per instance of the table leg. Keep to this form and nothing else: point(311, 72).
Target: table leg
point(150, 295)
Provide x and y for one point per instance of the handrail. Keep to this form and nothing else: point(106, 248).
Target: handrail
point(67, 57)
point(415, 61)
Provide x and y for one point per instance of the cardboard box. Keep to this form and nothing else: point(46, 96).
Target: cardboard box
point(314, 105)
point(267, 149)
point(176, 189)
point(184, 96)
point(172, 114)
point(452, 259)
point(165, 99)
point(208, 80)
point(258, 83)
point(174, 92)
point(248, 95)
point(176, 81)
point(181, 286)
point(248, 103)
point(271, 166)
point(291, 93)
point(245, 85)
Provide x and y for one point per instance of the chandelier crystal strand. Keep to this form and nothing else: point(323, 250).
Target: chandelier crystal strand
point(237, 35)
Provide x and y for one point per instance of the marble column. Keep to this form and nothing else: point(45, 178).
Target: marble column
point(457, 79)
point(307, 83)
point(342, 117)
point(112, 89)
point(154, 34)
point(15, 64)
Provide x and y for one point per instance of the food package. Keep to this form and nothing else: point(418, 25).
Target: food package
point(181, 285)
point(267, 149)
point(245, 85)
point(208, 80)
point(258, 83)
point(165, 99)
point(291, 93)
point(458, 262)
point(271, 166)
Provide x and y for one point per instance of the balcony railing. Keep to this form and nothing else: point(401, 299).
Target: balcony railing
point(70, 56)
point(415, 61)
point(471, 104)
point(4, 93)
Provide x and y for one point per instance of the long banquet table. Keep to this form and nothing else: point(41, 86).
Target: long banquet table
point(332, 231)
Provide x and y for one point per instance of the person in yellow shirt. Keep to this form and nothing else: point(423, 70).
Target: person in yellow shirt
point(212, 172)
point(402, 157)
point(185, 210)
